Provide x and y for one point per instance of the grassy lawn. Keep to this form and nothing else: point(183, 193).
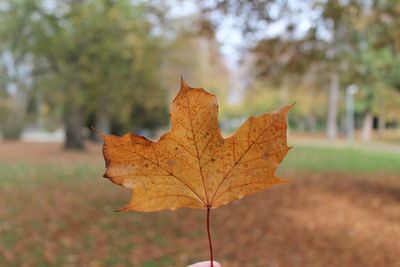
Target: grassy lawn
point(63, 215)
point(352, 160)
point(300, 158)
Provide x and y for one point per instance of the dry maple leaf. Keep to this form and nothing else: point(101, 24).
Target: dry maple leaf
point(193, 165)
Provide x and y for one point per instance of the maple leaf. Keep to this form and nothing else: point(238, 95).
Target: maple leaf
point(193, 165)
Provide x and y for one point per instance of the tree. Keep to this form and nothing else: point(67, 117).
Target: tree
point(376, 59)
point(15, 83)
point(323, 35)
point(193, 51)
point(100, 55)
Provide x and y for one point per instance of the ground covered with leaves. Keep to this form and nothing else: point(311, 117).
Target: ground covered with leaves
point(56, 210)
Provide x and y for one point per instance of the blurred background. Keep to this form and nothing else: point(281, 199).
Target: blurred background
point(66, 66)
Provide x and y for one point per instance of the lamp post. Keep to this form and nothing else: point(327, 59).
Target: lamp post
point(351, 90)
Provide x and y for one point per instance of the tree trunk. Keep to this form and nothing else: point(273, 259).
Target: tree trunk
point(312, 122)
point(367, 126)
point(284, 94)
point(73, 120)
point(333, 97)
point(102, 124)
point(381, 123)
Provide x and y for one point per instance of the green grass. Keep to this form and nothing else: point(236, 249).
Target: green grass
point(24, 173)
point(352, 160)
point(300, 158)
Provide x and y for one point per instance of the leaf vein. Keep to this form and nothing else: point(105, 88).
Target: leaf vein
point(244, 153)
point(172, 174)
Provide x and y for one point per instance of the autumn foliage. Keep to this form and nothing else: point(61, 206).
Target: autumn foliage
point(193, 165)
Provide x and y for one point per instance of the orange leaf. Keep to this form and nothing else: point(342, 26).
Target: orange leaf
point(193, 165)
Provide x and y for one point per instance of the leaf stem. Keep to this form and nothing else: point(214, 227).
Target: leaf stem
point(209, 235)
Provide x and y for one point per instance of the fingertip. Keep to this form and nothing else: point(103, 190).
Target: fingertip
point(205, 264)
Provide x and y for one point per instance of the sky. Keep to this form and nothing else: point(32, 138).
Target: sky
point(232, 42)
point(229, 38)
